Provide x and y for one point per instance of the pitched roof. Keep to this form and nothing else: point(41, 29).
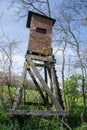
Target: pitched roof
point(30, 13)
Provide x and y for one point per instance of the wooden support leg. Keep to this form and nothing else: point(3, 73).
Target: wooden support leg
point(40, 78)
point(45, 75)
point(49, 72)
point(55, 84)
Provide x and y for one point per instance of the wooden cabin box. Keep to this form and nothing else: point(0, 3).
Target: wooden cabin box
point(40, 34)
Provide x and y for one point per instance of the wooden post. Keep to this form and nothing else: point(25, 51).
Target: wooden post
point(24, 94)
point(24, 87)
point(55, 85)
point(54, 81)
point(51, 85)
point(45, 72)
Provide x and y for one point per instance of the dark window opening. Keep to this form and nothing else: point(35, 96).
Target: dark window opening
point(41, 30)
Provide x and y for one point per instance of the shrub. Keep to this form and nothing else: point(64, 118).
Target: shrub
point(4, 118)
point(82, 127)
point(4, 127)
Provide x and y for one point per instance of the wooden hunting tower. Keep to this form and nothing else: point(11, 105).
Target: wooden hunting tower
point(39, 55)
point(40, 33)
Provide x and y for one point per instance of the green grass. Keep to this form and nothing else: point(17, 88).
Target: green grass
point(44, 124)
point(6, 92)
point(33, 96)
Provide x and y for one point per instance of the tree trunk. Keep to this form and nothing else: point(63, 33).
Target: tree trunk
point(63, 67)
point(83, 74)
point(19, 92)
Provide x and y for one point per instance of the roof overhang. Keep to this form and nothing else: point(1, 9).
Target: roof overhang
point(30, 13)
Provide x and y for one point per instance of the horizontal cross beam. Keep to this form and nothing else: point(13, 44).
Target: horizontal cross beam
point(41, 58)
point(37, 113)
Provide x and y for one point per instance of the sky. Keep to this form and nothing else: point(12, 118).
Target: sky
point(16, 30)
point(10, 23)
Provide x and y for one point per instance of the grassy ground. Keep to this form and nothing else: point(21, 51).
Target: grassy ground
point(36, 123)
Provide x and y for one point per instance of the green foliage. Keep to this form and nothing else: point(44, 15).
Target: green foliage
point(74, 119)
point(72, 90)
point(4, 118)
point(38, 123)
point(4, 127)
point(32, 95)
point(5, 95)
point(82, 127)
point(74, 105)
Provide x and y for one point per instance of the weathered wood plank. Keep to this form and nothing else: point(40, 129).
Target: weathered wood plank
point(54, 81)
point(52, 97)
point(40, 65)
point(46, 80)
point(41, 58)
point(37, 113)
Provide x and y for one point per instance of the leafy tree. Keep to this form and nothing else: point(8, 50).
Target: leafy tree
point(71, 23)
point(72, 90)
